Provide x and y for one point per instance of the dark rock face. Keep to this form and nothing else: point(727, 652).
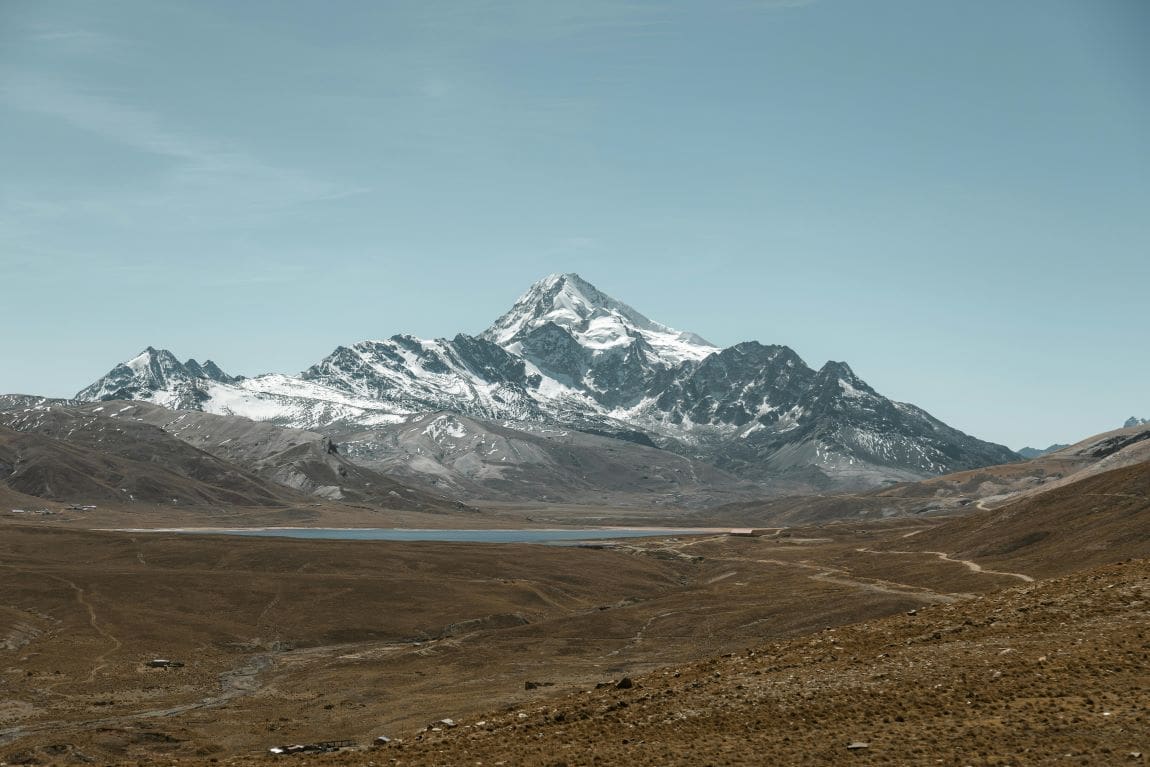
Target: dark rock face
point(734, 386)
point(567, 355)
point(620, 377)
point(557, 354)
point(488, 361)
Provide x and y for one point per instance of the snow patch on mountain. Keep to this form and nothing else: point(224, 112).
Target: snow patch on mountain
point(445, 426)
point(291, 402)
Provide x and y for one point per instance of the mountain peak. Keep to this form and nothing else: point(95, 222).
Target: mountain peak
point(840, 370)
point(563, 278)
point(152, 370)
point(594, 319)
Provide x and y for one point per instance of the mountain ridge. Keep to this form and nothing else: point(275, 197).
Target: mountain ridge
point(568, 354)
point(1034, 452)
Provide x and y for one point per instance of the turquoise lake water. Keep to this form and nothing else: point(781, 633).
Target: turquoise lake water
point(457, 536)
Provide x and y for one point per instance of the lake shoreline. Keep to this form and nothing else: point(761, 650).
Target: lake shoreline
point(440, 535)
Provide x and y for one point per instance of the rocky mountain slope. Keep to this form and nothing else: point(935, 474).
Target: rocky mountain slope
point(513, 460)
point(568, 356)
point(127, 452)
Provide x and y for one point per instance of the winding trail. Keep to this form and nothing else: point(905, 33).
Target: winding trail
point(971, 565)
point(841, 577)
point(82, 600)
point(874, 585)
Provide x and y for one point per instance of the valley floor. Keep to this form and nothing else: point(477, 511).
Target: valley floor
point(295, 641)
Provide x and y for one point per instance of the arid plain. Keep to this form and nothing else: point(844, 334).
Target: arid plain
point(907, 634)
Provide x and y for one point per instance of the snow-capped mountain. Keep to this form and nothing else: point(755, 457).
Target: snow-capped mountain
point(597, 322)
point(568, 355)
point(412, 375)
point(158, 376)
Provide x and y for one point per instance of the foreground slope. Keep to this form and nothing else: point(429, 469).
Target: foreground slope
point(1044, 674)
point(1096, 454)
point(1101, 518)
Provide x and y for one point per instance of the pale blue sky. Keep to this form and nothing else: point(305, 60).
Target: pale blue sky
point(952, 196)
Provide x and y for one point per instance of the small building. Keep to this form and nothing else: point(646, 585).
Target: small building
point(322, 747)
point(164, 663)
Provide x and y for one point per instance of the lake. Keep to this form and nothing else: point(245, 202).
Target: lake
point(554, 536)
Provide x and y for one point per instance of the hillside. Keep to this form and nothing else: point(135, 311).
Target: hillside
point(162, 471)
point(130, 452)
point(1000, 680)
point(1101, 518)
point(957, 493)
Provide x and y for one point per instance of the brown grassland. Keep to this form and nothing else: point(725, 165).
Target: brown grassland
point(978, 639)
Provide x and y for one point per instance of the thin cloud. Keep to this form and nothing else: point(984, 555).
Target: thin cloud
point(83, 38)
point(132, 127)
point(204, 175)
point(500, 20)
point(527, 19)
point(766, 5)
